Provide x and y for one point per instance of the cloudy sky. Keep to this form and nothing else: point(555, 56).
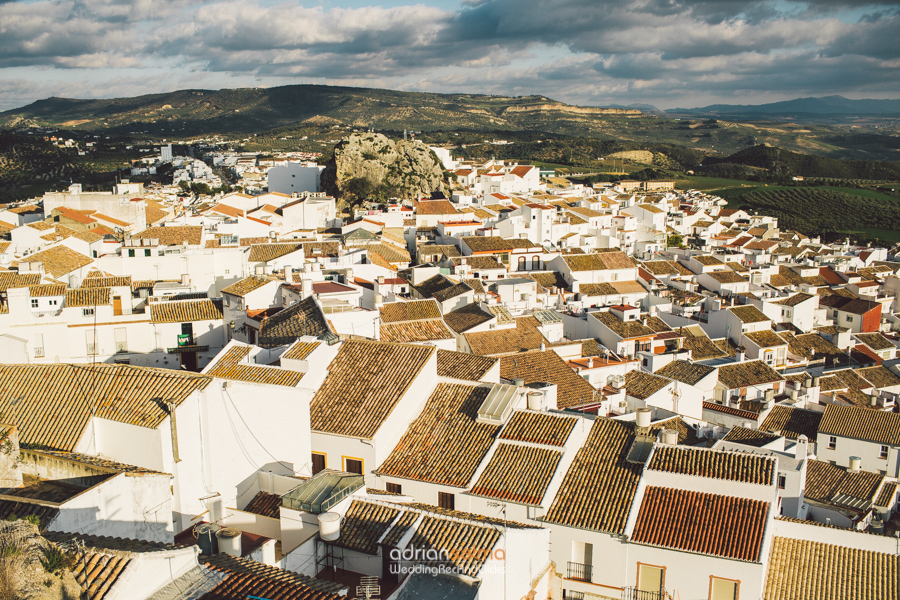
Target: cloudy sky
point(669, 53)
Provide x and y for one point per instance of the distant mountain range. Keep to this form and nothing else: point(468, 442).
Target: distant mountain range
point(255, 110)
point(827, 105)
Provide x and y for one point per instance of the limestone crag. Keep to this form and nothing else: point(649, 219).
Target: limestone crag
point(374, 163)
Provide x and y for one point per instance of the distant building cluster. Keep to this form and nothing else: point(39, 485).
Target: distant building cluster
point(525, 388)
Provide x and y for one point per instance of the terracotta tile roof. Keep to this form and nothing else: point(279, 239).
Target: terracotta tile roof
point(452, 292)
point(446, 427)
point(880, 376)
point(267, 252)
point(599, 487)
point(432, 285)
point(399, 529)
point(624, 329)
point(748, 314)
point(499, 342)
point(467, 544)
point(480, 263)
point(810, 346)
point(301, 319)
point(364, 383)
point(106, 281)
point(861, 423)
point(95, 462)
point(794, 300)
point(91, 296)
point(59, 260)
point(875, 341)
point(728, 410)
point(792, 422)
point(717, 525)
point(249, 578)
point(55, 402)
point(300, 350)
point(642, 385)
point(703, 348)
point(538, 428)
point(389, 252)
point(97, 572)
point(460, 365)
point(394, 312)
point(806, 570)
point(727, 277)
point(229, 366)
point(364, 524)
point(173, 236)
point(415, 331)
point(548, 280)
point(518, 474)
point(245, 286)
point(701, 462)
point(572, 390)
point(685, 371)
point(265, 505)
point(467, 317)
point(185, 311)
point(482, 243)
point(888, 495)
point(747, 373)
point(833, 485)
point(765, 338)
point(47, 290)
point(13, 279)
point(435, 207)
point(599, 261)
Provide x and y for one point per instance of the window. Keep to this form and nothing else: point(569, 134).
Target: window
point(848, 318)
point(39, 345)
point(535, 263)
point(353, 465)
point(651, 579)
point(53, 303)
point(87, 312)
point(34, 303)
point(447, 501)
point(832, 442)
point(131, 253)
point(723, 589)
point(147, 252)
point(782, 481)
point(394, 488)
point(521, 263)
point(318, 462)
point(884, 452)
point(94, 253)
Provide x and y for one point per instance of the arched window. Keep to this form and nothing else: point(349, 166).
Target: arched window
point(535, 263)
point(521, 263)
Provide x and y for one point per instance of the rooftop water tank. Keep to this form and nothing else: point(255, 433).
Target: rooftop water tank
point(330, 526)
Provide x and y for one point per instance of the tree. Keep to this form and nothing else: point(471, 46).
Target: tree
point(675, 240)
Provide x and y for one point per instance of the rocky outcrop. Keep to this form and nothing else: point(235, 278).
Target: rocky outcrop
point(368, 164)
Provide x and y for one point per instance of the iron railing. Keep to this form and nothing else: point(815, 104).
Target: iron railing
point(579, 572)
point(632, 593)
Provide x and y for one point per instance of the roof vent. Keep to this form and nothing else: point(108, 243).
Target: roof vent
point(855, 462)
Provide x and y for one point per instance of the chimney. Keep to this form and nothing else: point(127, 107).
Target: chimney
point(381, 280)
point(854, 464)
point(543, 346)
point(185, 279)
point(519, 382)
point(307, 288)
point(591, 363)
point(801, 449)
point(739, 357)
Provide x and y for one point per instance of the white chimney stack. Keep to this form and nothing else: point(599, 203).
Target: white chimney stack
point(855, 462)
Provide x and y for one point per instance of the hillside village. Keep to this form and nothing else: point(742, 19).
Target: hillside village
point(522, 388)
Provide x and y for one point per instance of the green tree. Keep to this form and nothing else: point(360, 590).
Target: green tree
point(675, 240)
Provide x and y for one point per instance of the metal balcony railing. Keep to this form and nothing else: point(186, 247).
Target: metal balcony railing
point(632, 593)
point(579, 572)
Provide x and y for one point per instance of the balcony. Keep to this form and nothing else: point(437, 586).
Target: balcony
point(579, 572)
point(632, 593)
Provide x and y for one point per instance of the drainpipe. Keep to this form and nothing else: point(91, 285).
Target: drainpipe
point(174, 426)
